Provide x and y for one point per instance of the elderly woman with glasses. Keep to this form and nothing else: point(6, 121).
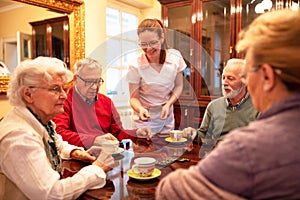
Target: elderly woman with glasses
point(261, 160)
point(30, 149)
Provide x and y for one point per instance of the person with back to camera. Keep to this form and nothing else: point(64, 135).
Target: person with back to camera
point(90, 118)
point(261, 160)
point(233, 110)
point(155, 79)
point(30, 149)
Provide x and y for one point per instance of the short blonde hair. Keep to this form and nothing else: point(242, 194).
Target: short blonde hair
point(35, 72)
point(274, 38)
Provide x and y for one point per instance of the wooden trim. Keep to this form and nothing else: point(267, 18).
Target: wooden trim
point(164, 2)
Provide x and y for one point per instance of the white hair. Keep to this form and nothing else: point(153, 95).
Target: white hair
point(35, 72)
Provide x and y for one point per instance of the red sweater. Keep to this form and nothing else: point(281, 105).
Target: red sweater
point(82, 122)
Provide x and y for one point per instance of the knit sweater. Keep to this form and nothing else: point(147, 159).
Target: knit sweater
point(219, 119)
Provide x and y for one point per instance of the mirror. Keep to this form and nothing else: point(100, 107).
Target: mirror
point(75, 10)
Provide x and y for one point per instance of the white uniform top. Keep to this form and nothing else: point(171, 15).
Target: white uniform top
point(156, 87)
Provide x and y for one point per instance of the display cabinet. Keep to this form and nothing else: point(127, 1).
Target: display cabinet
point(51, 38)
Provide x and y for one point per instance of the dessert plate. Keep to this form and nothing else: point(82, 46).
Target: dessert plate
point(156, 173)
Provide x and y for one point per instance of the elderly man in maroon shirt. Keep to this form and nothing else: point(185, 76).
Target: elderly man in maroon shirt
point(89, 116)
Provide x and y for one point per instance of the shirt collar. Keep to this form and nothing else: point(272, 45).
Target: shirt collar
point(144, 62)
point(234, 107)
point(84, 98)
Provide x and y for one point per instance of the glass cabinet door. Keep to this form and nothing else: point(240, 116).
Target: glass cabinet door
point(51, 38)
point(216, 38)
point(179, 27)
point(60, 40)
point(40, 44)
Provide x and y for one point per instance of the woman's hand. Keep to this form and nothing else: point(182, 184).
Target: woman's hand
point(165, 111)
point(105, 161)
point(85, 156)
point(144, 114)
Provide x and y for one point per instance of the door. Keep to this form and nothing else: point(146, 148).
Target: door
point(16, 49)
point(24, 46)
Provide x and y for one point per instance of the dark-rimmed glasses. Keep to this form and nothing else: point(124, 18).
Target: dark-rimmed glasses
point(150, 44)
point(91, 82)
point(57, 90)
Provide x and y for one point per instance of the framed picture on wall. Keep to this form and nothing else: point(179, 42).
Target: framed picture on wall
point(24, 46)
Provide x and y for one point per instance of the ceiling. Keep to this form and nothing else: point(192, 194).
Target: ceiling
point(6, 5)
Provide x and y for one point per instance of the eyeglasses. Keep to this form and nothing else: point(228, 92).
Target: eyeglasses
point(243, 75)
point(57, 90)
point(91, 82)
point(150, 44)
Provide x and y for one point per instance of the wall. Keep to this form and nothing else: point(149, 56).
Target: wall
point(4, 105)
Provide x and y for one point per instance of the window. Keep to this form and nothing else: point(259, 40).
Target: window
point(121, 48)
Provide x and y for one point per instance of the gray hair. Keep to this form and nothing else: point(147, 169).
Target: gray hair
point(35, 72)
point(273, 38)
point(86, 62)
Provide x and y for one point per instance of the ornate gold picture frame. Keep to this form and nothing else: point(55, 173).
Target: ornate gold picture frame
point(75, 11)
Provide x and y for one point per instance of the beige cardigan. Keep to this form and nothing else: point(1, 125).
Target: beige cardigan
point(18, 118)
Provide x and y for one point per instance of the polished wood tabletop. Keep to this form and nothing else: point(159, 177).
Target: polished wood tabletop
point(169, 156)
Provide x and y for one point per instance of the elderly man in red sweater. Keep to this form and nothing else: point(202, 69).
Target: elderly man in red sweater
point(89, 116)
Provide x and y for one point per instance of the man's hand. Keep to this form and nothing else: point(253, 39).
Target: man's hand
point(190, 132)
point(144, 132)
point(102, 138)
point(85, 156)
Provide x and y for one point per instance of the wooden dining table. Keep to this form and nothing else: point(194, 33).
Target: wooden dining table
point(169, 156)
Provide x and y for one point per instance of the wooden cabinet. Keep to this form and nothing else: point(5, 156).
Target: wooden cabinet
point(205, 32)
point(51, 38)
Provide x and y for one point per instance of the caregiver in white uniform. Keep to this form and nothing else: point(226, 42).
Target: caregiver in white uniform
point(155, 79)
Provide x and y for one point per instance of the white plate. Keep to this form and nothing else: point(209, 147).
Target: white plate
point(156, 173)
point(120, 150)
